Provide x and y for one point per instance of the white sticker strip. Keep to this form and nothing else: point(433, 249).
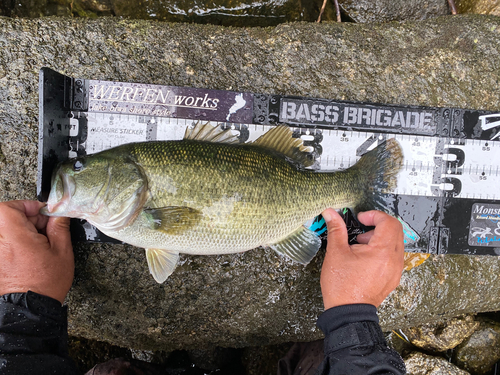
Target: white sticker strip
point(432, 166)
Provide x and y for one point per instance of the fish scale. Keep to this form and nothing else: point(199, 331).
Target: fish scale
point(257, 179)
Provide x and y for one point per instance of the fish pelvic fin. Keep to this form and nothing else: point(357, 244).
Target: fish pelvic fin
point(172, 220)
point(161, 263)
point(300, 246)
point(208, 133)
point(377, 172)
point(279, 139)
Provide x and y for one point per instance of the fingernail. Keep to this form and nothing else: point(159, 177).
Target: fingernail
point(327, 215)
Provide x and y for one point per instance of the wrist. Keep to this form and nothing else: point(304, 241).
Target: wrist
point(32, 324)
point(59, 296)
point(36, 303)
point(337, 316)
point(356, 296)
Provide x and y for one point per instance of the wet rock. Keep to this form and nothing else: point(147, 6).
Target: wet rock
point(93, 7)
point(423, 364)
point(219, 12)
point(39, 8)
point(225, 12)
point(389, 10)
point(68, 8)
point(87, 353)
point(148, 356)
point(481, 350)
point(396, 341)
point(440, 278)
point(479, 6)
point(255, 298)
point(442, 336)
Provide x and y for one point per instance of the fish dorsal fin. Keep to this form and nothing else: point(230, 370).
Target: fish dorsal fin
point(172, 220)
point(208, 133)
point(161, 263)
point(301, 245)
point(280, 140)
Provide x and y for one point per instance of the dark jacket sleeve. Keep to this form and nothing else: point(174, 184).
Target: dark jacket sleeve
point(33, 335)
point(354, 343)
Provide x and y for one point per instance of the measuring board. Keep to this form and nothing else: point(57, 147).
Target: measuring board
point(448, 189)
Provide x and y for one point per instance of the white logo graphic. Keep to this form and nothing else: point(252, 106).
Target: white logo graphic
point(490, 122)
point(239, 103)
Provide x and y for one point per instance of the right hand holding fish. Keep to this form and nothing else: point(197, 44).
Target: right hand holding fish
point(365, 272)
point(35, 251)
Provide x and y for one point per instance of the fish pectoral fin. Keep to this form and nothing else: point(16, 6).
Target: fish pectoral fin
point(161, 263)
point(172, 220)
point(300, 246)
point(280, 139)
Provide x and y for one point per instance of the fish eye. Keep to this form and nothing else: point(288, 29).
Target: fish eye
point(77, 166)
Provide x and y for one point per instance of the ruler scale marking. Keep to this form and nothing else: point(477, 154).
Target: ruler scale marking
point(437, 168)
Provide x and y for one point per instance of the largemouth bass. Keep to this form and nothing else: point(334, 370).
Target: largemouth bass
point(208, 194)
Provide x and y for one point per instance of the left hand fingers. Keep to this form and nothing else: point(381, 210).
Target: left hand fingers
point(59, 235)
point(28, 208)
point(22, 214)
point(39, 221)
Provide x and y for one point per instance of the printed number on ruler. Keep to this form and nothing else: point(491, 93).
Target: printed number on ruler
point(341, 149)
point(471, 169)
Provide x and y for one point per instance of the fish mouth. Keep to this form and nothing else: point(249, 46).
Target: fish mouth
point(63, 188)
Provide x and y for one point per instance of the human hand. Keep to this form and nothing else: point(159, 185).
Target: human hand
point(365, 272)
point(35, 251)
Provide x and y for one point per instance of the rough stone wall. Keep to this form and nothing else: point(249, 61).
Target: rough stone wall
point(254, 298)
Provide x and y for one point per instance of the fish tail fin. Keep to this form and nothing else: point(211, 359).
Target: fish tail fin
point(377, 172)
point(375, 177)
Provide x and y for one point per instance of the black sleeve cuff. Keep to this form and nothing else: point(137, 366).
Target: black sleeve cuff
point(31, 323)
point(352, 326)
point(339, 316)
point(354, 343)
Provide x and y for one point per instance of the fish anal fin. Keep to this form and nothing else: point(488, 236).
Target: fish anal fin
point(280, 139)
point(208, 133)
point(161, 263)
point(300, 246)
point(172, 220)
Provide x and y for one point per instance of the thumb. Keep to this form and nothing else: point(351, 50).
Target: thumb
point(58, 232)
point(337, 231)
